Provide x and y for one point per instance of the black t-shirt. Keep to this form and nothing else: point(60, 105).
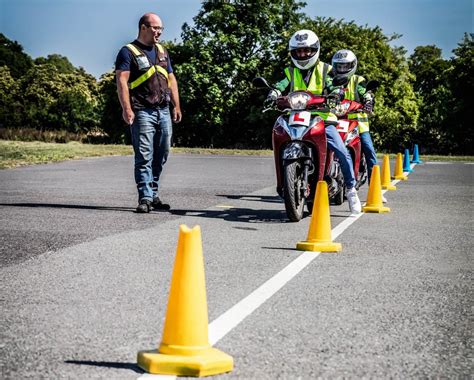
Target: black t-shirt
point(125, 57)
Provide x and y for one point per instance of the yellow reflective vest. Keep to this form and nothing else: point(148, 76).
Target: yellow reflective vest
point(152, 70)
point(315, 85)
point(351, 93)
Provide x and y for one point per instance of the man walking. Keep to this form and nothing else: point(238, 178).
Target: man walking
point(148, 94)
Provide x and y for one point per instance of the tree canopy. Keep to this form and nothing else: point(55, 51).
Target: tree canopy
point(422, 99)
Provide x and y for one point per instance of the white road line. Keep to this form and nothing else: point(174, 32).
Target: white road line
point(223, 324)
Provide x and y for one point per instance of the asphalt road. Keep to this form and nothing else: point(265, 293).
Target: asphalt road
point(85, 280)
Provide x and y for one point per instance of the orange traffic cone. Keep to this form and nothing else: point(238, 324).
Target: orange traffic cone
point(386, 180)
point(374, 198)
point(185, 348)
point(399, 169)
point(319, 233)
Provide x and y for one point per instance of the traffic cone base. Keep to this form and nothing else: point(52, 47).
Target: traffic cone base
point(319, 233)
point(210, 361)
point(389, 187)
point(401, 177)
point(378, 209)
point(316, 246)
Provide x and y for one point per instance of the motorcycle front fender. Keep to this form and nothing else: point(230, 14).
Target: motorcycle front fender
point(295, 151)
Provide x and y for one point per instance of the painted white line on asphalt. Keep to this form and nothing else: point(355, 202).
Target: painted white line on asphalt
point(237, 313)
point(226, 322)
point(438, 163)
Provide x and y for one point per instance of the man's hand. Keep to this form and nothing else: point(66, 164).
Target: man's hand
point(128, 116)
point(176, 115)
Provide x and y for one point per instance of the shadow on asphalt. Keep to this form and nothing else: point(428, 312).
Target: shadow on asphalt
point(132, 366)
point(245, 215)
point(79, 207)
point(257, 198)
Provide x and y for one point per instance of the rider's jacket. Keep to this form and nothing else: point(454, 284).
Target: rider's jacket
point(355, 91)
point(149, 82)
point(316, 83)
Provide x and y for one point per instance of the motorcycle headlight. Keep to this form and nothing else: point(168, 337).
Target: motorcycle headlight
point(298, 100)
point(341, 109)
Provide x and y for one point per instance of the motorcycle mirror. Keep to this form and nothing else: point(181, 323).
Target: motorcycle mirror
point(339, 80)
point(260, 82)
point(372, 85)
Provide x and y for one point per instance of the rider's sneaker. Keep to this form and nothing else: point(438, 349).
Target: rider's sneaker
point(157, 204)
point(144, 207)
point(354, 202)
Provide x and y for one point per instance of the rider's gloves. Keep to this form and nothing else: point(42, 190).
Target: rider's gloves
point(271, 98)
point(369, 102)
point(273, 95)
point(338, 93)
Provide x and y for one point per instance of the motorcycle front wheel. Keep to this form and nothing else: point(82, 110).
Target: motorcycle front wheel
point(292, 191)
point(363, 172)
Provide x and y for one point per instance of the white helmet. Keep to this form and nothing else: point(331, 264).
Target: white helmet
point(304, 39)
point(344, 63)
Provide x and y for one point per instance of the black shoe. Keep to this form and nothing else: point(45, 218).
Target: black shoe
point(144, 207)
point(157, 204)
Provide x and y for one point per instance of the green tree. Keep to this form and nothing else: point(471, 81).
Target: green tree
point(432, 87)
point(111, 122)
point(462, 87)
point(11, 109)
point(62, 64)
point(57, 101)
point(12, 56)
point(216, 62)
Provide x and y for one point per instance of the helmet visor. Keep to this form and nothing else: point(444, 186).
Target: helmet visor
point(342, 68)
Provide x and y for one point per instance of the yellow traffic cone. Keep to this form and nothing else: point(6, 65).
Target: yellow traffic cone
point(374, 198)
point(386, 180)
point(319, 233)
point(185, 348)
point(399, 169)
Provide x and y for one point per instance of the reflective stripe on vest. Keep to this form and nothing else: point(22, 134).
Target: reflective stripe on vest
point(352, 94)
point(152, 70)
point(316, 81)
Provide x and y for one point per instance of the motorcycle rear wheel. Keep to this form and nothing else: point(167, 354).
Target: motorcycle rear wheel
point(292, 191)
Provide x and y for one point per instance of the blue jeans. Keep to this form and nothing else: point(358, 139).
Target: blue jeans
point(337, 146)
point(151, 139)
point(369, 152)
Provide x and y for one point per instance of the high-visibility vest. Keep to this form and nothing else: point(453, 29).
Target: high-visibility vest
point(316, 83)
point(352, 94)
point(151, 71)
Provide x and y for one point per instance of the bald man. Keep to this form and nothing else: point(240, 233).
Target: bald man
point(148, 94)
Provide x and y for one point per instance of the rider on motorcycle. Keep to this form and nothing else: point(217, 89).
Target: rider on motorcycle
point(309, 73)
point(344, 65)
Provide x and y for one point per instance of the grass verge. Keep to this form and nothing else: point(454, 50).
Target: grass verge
point(20, 153)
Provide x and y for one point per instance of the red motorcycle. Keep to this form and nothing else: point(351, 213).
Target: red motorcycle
point(300, 150)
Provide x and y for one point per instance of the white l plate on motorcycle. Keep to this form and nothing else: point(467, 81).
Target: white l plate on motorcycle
point(300, 118)
point(342, 126)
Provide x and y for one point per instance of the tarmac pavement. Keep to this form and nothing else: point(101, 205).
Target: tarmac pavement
point(85, 280)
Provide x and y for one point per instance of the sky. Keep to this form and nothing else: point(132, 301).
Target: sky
point(90, 32)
